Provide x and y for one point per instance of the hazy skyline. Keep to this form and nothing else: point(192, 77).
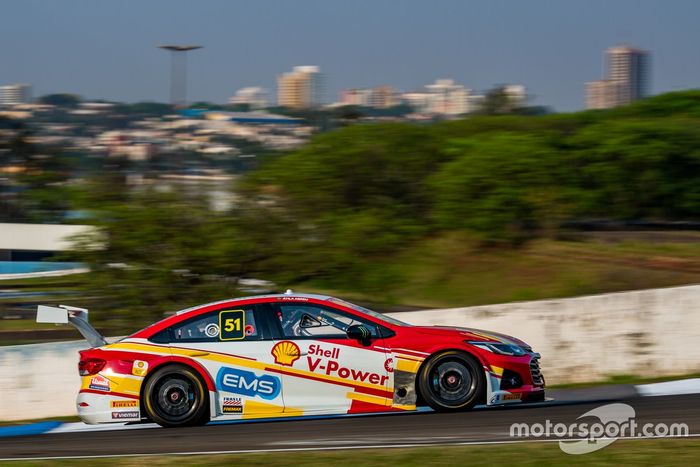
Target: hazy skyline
point(107, 50)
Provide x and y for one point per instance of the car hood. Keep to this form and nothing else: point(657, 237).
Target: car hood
point(471, 334)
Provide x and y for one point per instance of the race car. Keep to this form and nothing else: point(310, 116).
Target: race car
point(289, 355)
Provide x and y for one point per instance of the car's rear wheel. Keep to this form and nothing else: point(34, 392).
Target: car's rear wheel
point(175, 396)
point(451, 381)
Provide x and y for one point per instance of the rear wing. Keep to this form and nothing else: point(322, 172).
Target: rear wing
point(76, 317)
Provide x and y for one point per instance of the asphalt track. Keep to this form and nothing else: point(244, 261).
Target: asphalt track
point(427, 428)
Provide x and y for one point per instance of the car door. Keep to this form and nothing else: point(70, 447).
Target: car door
point(327, 371)
point(234, 345)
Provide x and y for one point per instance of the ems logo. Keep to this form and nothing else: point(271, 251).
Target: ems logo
point(286, 353)
point(247, 383)
point(99, 383)
point(232, 405)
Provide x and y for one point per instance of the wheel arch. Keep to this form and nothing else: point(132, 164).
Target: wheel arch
point(419, 397)
point(194, 365)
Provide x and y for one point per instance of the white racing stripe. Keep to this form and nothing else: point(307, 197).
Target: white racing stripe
point(336, 448)
point(670, 388)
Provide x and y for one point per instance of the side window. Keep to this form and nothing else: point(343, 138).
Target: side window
point(315, 321)
point(223, 325)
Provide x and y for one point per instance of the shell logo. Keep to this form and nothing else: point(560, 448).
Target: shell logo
point(286, 353)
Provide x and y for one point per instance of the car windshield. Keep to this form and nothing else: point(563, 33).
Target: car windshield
point(375, 314)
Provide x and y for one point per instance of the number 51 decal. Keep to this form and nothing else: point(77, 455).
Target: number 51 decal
point(232, 325)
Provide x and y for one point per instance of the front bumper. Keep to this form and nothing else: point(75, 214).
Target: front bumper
point(523, 371)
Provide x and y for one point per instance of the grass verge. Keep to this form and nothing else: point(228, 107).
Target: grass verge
point(453, 270)
point(681, 452)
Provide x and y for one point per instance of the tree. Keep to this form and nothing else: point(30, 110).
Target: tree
point(61, 100)
point(497, 101)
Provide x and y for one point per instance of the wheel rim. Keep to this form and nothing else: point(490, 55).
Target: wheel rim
point(175, 398)
point(451, 382)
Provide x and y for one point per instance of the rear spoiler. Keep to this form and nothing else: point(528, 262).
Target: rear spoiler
point(76, 317)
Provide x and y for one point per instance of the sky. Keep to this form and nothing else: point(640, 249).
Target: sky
point(108, 49)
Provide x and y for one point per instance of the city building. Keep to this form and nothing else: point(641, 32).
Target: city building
point(359, 97)
point(301, 88)
point(447, 98)
point(443, 97)
point(627, 79)
point(15, 94)
point(602, 94)
point(255, 97)
point(381, 97)
point(420, 102)
point(517, 95)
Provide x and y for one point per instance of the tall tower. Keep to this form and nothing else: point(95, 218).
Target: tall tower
point(301, 88)
point(178, 72)
point(627, 79)
point(13, 94)
point(629, 67)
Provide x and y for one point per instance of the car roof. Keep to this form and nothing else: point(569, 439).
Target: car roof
point(288, 295)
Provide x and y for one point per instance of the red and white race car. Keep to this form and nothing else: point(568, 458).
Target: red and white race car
point(291, 355)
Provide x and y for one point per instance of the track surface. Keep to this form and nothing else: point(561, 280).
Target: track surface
point(480, 425)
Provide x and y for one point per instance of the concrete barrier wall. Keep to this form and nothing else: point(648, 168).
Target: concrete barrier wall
point(39, 380)
point(649, 333)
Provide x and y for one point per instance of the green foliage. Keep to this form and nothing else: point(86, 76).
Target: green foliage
point(497, 102)
point(154, 109)
point(60, 100)
point(33, 189)
point(500, 186)
point(507, 178)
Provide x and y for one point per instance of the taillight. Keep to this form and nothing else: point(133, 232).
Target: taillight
point(91, 366)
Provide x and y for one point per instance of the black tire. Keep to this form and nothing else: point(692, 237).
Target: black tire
point(451, 381)
point(175, 396)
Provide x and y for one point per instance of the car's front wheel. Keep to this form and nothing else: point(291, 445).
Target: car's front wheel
point(451, 380)
point(175, 396)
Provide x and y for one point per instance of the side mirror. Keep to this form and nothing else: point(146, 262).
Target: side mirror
point(360, 333)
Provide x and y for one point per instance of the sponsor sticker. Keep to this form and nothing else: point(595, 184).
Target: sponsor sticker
point(505, 397)
point(123, 404)
point(139, 368)
point(131, 414)
point(326, 360)
point(99, 383)
point(232, 405)
point(212, 330)
point(248, 383)
point(286, 353)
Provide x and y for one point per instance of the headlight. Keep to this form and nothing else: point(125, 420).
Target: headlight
point(499, 348)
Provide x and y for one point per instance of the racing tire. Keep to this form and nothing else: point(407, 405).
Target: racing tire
point(451, 381)
point(175, 396)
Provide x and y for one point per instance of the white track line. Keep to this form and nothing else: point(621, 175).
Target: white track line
point(670, 388)
point(336, 448)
